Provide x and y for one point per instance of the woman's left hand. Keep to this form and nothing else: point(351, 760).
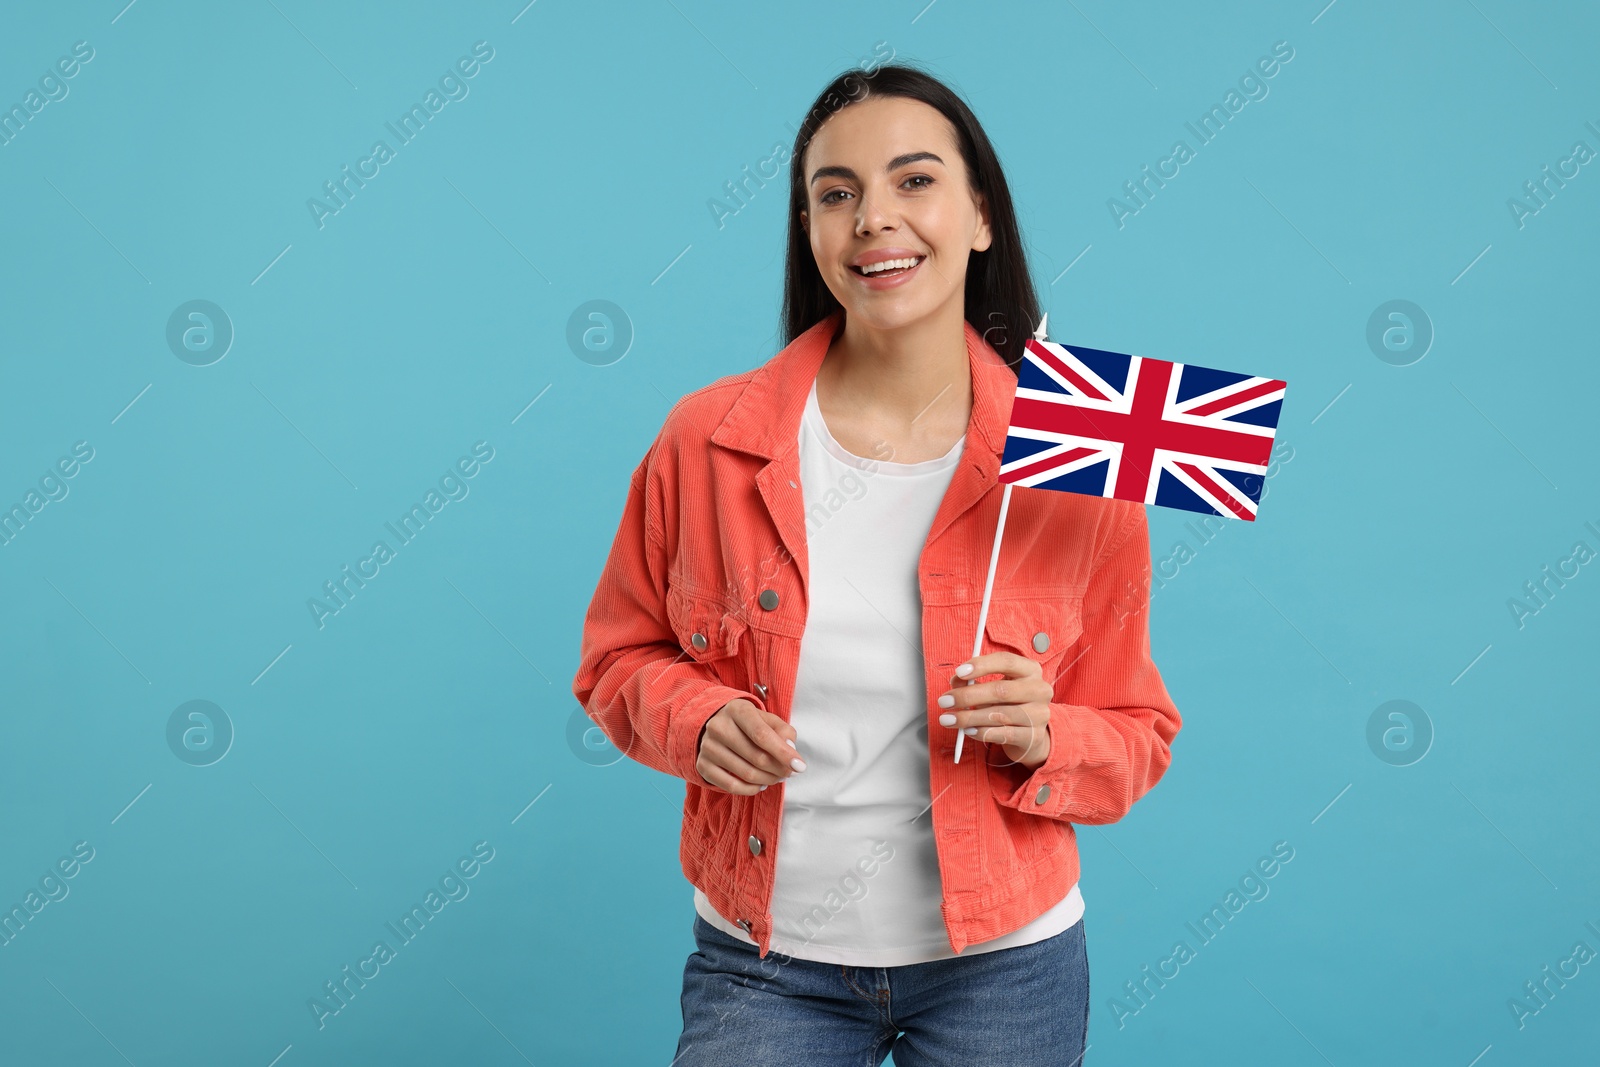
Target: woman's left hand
point(1010, 711)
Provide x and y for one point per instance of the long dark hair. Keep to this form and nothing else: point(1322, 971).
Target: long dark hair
point(1000, 299)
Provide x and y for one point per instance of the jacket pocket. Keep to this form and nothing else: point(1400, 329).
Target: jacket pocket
point(708, 813)
point(706, 630)
point(1021, 625)
point(1042, 629)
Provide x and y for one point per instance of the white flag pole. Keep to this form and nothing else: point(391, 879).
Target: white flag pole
point(994, 559)
point(988, 587)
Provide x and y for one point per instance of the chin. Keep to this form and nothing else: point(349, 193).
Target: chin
point(890, 314)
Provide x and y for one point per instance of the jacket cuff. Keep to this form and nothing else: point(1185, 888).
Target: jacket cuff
point(1044, 790)
point(683, 742)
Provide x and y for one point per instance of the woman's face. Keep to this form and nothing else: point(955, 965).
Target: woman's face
point(885, 180)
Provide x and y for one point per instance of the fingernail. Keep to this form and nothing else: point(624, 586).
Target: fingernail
point(963, 670)
point(947, 701)
point(763, 787)
point(972, 731)
point(791, 744)
point(947, 720)
point(798, 764)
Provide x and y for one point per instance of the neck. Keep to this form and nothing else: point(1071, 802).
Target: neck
point(900, 374)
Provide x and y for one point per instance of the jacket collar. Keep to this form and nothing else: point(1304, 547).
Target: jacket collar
point(765, 419)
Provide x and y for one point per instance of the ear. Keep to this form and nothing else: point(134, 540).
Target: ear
point(805, 224)
point(983, 238)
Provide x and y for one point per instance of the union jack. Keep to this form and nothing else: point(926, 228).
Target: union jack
point(1134, 428)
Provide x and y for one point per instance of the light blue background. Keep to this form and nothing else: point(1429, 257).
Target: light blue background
point(436, 707)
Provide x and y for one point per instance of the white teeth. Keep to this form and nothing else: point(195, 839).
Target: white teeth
point(889, 264)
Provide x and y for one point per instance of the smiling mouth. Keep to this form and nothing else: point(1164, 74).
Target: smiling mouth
point(888, 268)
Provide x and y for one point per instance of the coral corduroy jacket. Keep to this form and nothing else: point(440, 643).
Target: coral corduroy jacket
point(702, 600)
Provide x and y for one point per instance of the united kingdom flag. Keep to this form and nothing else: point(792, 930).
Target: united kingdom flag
point(1134, 428)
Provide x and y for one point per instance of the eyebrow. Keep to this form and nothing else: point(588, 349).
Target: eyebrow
point(893, 164)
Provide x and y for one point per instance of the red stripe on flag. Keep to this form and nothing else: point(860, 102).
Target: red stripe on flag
point(1046, 464)
point(1078, 381)
point(1216, 490)
point(1143, 427)
point(1223, 403)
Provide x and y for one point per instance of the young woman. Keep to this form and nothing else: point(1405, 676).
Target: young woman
point(791, 601)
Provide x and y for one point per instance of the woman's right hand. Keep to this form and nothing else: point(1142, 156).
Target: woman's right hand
point(744, 749)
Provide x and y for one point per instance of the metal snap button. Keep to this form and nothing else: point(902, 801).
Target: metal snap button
point(699, 642)
point(755, 845)
point(761, 690)
point(746, 924)
point(1042, 795)
point(768, 599)
point(1041, 642)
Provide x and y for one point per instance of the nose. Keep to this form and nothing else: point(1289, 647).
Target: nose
point(870, 219)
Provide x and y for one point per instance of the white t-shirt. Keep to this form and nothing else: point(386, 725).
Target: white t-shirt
point(860, 712)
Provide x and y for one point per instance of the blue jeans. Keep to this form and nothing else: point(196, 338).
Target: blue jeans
point(1026, 1006)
